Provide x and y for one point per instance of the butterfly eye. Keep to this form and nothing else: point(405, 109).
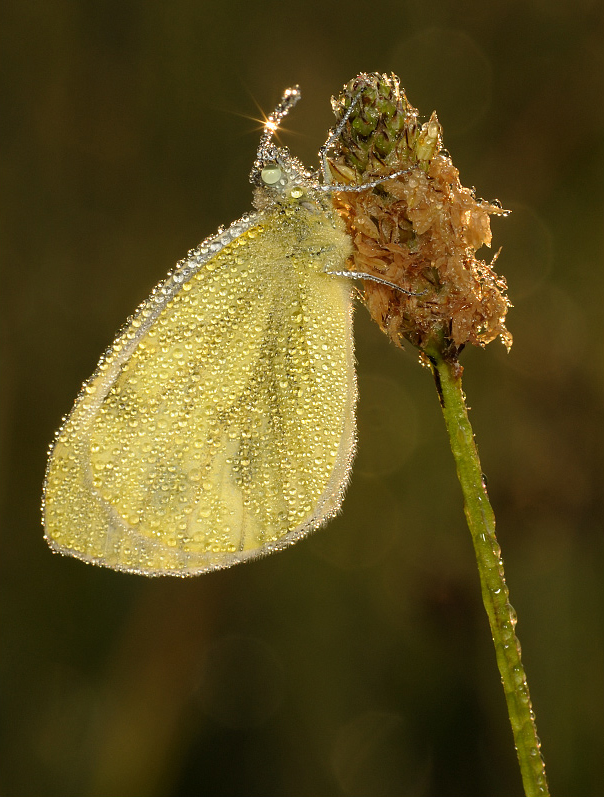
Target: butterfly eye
point(271, 174)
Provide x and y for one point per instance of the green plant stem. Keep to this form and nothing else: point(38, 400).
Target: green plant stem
point(495, 594)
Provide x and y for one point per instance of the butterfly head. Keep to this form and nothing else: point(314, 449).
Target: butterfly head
point(279, 177)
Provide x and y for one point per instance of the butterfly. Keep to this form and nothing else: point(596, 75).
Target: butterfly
point(220, 424)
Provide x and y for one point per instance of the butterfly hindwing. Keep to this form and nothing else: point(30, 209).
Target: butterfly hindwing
point(221, 423)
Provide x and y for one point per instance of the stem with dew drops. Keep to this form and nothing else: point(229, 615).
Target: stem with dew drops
point(495, 594)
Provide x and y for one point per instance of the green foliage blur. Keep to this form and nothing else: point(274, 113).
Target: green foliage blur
point(357, 663)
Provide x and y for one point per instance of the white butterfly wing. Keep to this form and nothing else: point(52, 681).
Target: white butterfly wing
point(220, 426)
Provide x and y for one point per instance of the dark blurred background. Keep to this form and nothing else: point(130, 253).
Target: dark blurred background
point(358, 662)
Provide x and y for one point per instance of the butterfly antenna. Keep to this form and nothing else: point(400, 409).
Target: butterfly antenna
point(288, 100)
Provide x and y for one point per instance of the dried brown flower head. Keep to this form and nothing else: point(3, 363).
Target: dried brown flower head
point(419, 230)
